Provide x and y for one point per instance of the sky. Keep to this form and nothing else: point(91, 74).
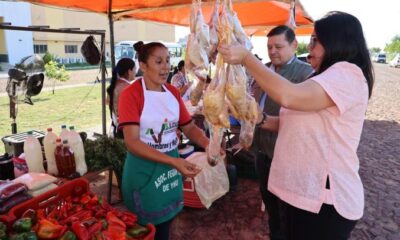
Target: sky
point(380, 20)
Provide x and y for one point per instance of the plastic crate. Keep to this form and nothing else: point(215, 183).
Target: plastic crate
point(190, 197)
point(72, 188)
point(14, 144)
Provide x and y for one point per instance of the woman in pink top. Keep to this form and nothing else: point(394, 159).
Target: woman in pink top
point(315, 164)
point(122, 76)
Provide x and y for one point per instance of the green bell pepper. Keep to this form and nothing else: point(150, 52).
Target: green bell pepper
point(22, 225)
point(68, 235)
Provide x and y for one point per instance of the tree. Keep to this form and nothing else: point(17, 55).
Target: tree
point(375, 50)
point(394, 46)
point(53, 71)
point(302, 48)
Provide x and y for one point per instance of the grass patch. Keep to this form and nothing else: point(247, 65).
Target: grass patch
point(80, 107)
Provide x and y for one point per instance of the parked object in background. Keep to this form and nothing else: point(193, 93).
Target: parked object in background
point(380, 58)
point(33, 154)
point(395, 62)
point(76, 144)
point(49, 143)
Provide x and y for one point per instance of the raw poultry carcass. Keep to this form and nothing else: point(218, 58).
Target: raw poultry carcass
point(236, 91)
point(214, 147)
point(237, 28)
point(248, 125)
point(213, 25)
point(197, 92)
point(198, 41)
point(215, 109)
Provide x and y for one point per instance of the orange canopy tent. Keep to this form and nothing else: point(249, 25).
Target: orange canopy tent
point(302, 30)
point(254, 14)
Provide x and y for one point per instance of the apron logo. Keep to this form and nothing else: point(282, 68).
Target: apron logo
point(158, 138)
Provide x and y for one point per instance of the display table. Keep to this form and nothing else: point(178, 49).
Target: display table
point(90, 176)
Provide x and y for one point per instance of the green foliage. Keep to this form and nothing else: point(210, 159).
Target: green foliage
point(53, 71)
point(103, 152)
point(394, 46)
point(302, 48)
point(48, 57)
point(375, 50)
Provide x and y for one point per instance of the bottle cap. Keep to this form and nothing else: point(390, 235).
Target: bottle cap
point(65, 141)
point(49, 129)
point(30, 132)
point(71, 128)
point(63, 126)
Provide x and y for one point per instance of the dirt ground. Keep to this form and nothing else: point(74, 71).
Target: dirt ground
point(237, 215)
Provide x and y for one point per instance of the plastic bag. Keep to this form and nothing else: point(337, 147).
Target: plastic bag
point(91, 51)
point(35, 181)
point(212, 182)
point(9, 189)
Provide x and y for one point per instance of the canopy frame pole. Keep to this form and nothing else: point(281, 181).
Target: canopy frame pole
point(101, 33)
point(111, 25)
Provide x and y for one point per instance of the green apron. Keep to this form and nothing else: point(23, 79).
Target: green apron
point(153, 191)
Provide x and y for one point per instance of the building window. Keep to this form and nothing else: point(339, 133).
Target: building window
point(39, 48)
point(71, 49)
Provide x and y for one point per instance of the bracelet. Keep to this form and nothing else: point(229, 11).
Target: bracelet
point(264, 118)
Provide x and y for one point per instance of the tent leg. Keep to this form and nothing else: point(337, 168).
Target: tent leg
point(111, 23)
point(103, 86)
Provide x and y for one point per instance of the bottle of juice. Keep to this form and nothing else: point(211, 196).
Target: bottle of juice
point(49, 143)
point(69, 159)
point(76, 144)
point(58, 155)
point(33, 154)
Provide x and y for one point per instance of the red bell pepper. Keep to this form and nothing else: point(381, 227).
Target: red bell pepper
point(80, 231)
point(97, 227)
point(49, 230)
point(115, 223)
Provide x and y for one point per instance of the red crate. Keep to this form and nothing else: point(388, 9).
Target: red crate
point(190, 197)
point(72, 188)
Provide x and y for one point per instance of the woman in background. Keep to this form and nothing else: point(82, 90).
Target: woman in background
point(180, 82)
point(122, 76)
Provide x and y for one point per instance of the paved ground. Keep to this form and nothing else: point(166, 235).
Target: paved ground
point(237, 215)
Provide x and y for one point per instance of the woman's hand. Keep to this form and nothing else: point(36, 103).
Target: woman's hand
point(186, 168)
point(233, 54)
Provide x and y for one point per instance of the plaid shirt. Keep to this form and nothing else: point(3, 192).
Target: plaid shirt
point(179, 80)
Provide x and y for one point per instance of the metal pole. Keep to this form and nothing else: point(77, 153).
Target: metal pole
point(111, 23)
point(103, 85)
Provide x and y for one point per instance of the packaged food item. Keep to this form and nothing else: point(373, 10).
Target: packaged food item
point(34, 181)
point(9, 188)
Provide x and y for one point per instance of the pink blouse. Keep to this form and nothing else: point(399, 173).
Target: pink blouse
point(314, 145)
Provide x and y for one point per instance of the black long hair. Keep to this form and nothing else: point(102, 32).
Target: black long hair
point(342, 37)
point(123, 66)
point(145, 50)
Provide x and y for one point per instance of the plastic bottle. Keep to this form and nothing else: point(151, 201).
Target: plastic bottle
point(58, 155)
point(69, 158)
point(49, 143)
point(65, 159)
point(64, 135)
point(33, 154)
point(76, 144)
